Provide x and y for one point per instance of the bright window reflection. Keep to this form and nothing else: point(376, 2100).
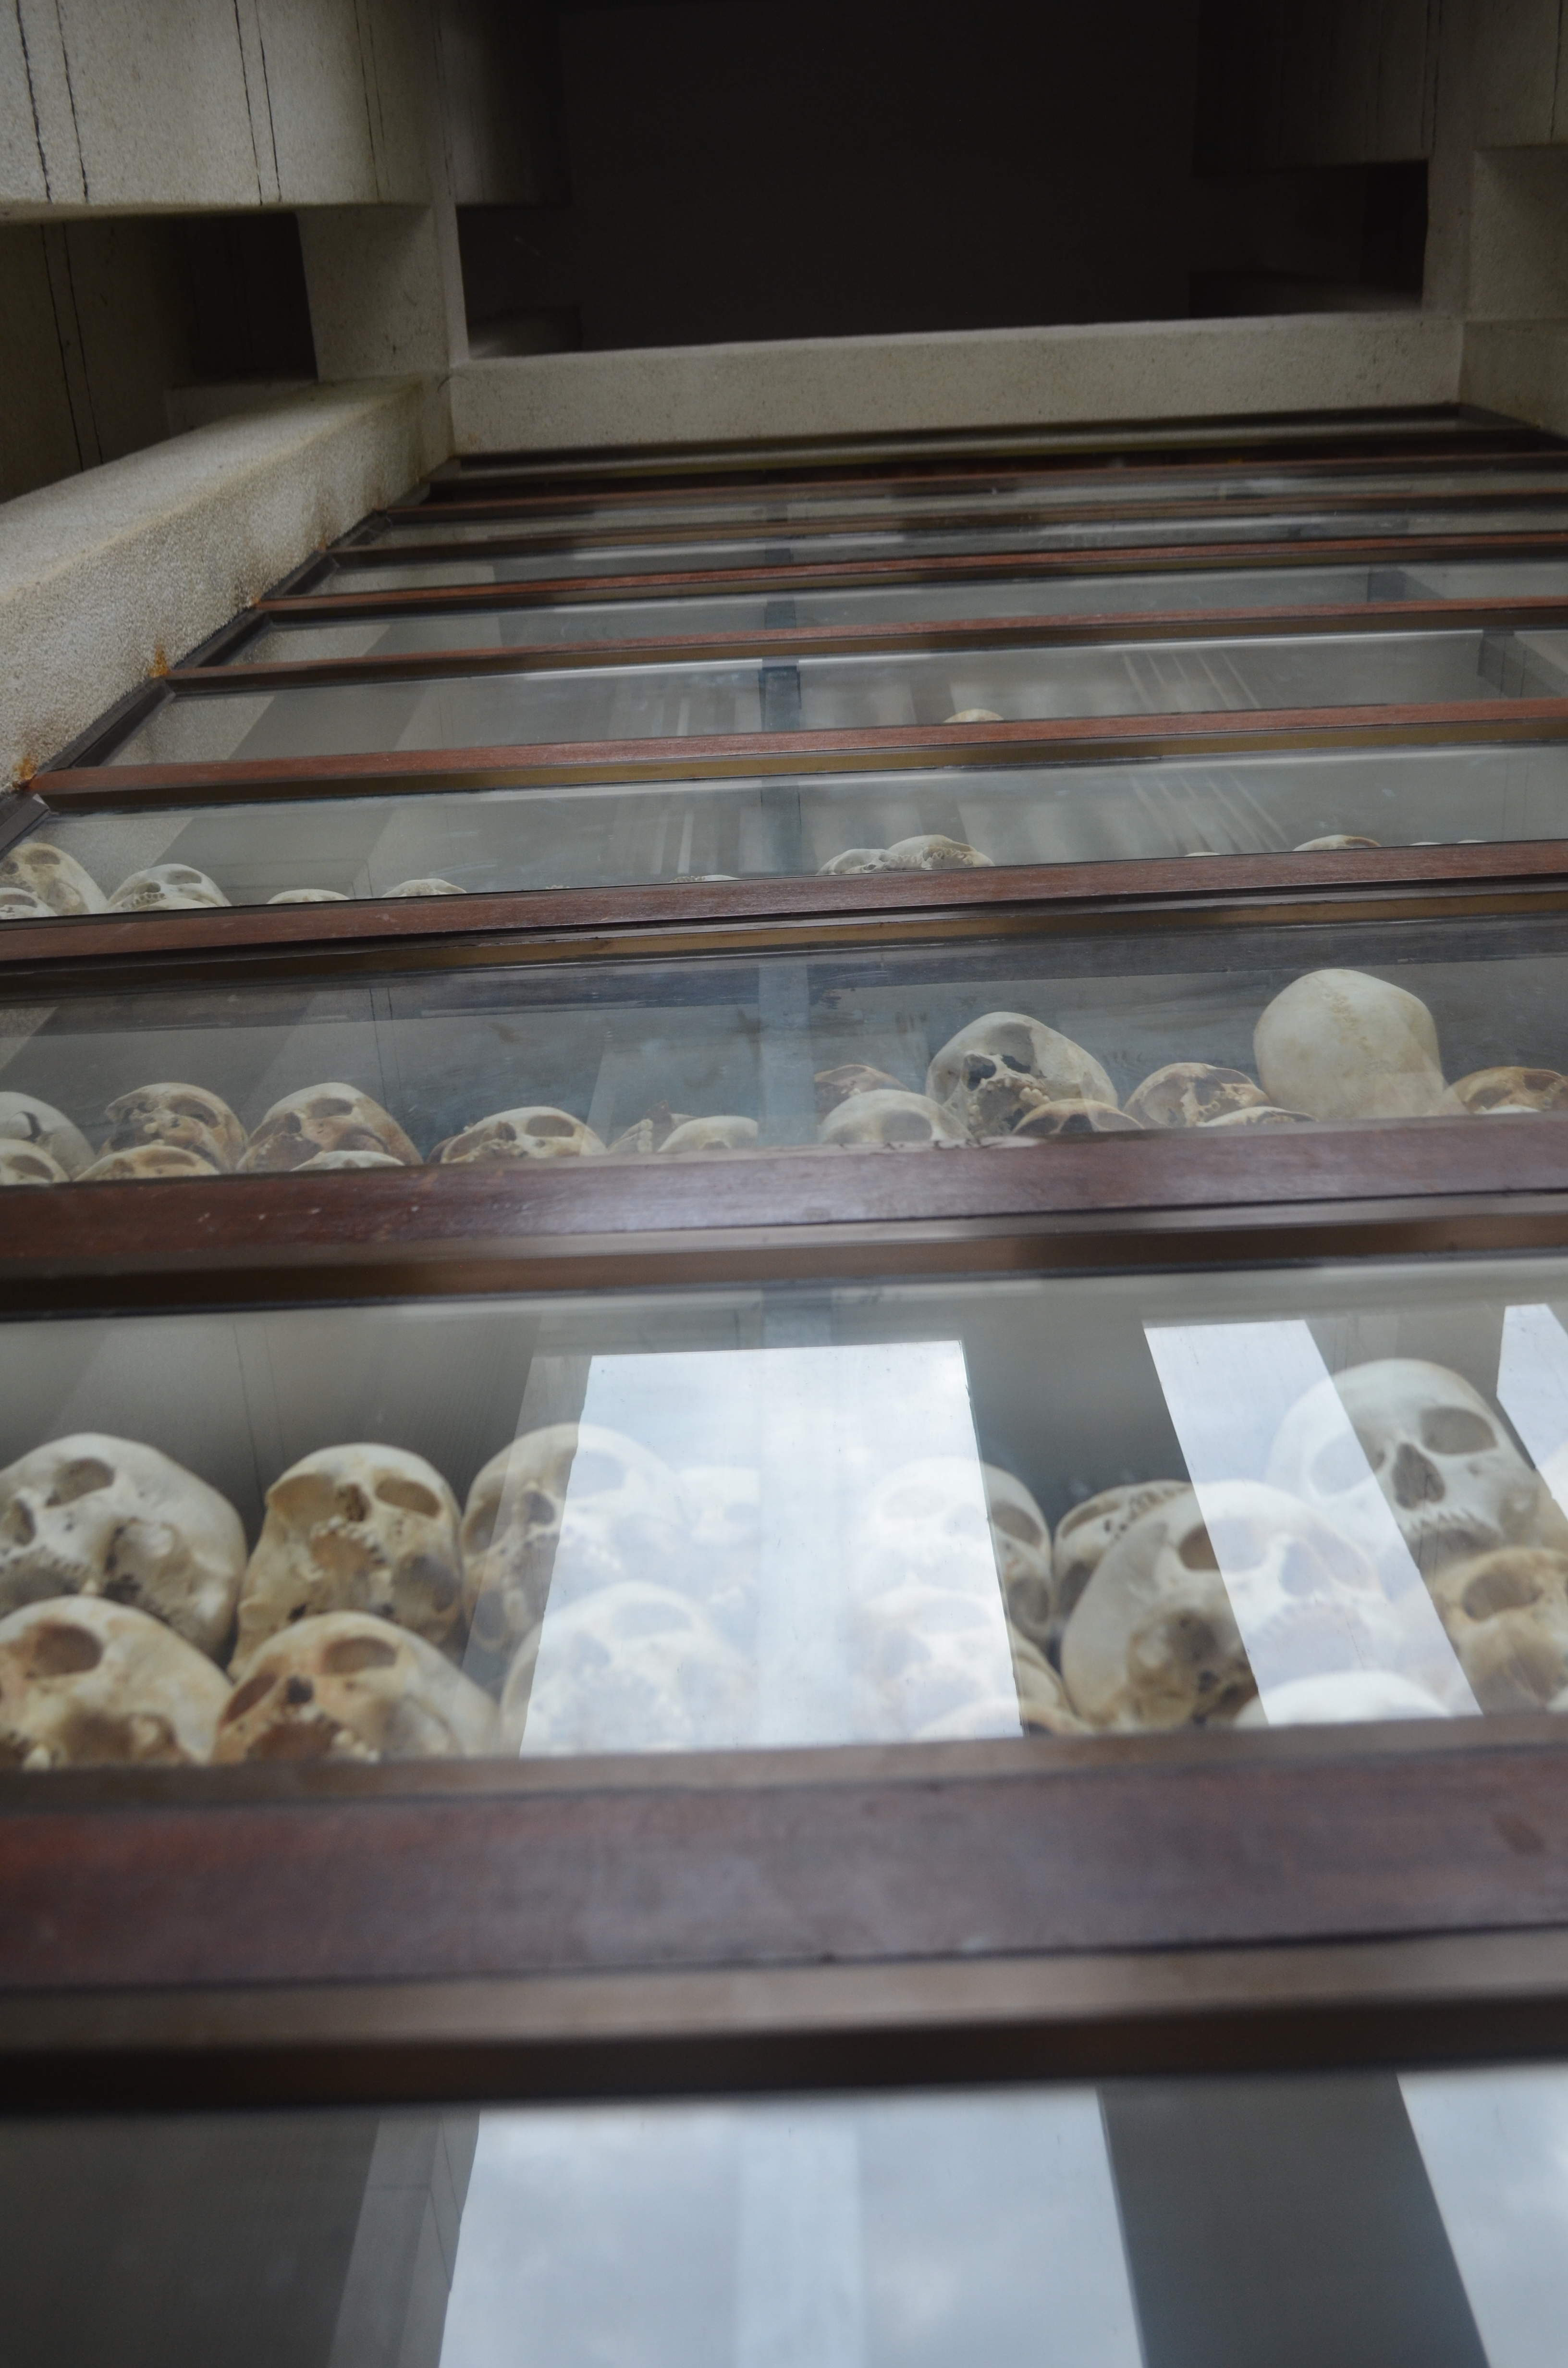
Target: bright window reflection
point(1495, 2147)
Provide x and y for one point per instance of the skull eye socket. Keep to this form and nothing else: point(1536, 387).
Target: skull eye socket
point(349, 1655)
point(1505, 1586)
point(188, 1106)
point(1014, 1522)
point(1232, 1545)
point(255, 1690)
point(1342, 1464)
point(1196, 1551)
point(79, 1479)
point(594, 1474)
point(407, 1496)
point(1455, 1430)
point(59, 1651)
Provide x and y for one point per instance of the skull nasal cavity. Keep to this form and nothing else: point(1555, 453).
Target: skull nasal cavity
point(408, 1495)
point(62, 1652)
point(352, 1502)
point(350, 1653)
point(79, 1479)
point(1454, 1430)
point(1415, 1481)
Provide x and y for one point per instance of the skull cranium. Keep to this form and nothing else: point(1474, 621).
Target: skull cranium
point(1083, 1534)
point(23, 1120)
point(1488, 1091)
point(355, 1528)
point(1192, 1093)
point(24, 1163)
point(166, 888)
point(323, 1118)
point(1507, 1615)
point(632, 1667)
point(1020, 1538)
point(147, 1162)
point(1341, 1044)
point(536, 1131)
point(55, 877)
point(91, 1515)
point(349, 1686)
point(721, 1133)
point(994, 1070)
point(186, 1115)
point(896, 1120)
point(1153, 1641)
point(83, 1682)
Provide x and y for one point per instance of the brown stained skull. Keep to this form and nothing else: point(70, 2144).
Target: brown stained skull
point(1192, 1093)
point(55, 877)
point(147, 1163)
point(22, 1162)
point(536, 1131)
point(1153, 1641)
point(358, 1528)
point(323, 1118)
point(932, 852)
point(1487, 1090)
point(85, 1683)
point(350, 1686)
point(1043, 1121)
point(1507, 1615)
point(21, 904)
point(185, 1116)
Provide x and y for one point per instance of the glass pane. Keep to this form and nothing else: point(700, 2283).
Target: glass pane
point(846, 694)
point(1257, 2222)
point(1081, 596)
point(785, 1516)
point(619, 834)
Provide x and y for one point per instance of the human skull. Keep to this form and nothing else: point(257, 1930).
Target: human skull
point(323, 1118)
point(1307, 1599)
point(835, 1086)
point(21, 904)
point(349, 1686)
point(91, 1515)
point(355, 1528)
point(1340, 1044)
point(974, 716)
point(650, 1133)
point(1153, 1641)
point(1440, 1462)
point(22, 1162)
point(723, 1133)
point(1336, 838)
point(633, 1667)
point(335, 1159)
point(309, 896)
point(1083, 1535)
point(1341, 1698)
point(147, 1163)
point(186, 1115)
point(1043, 1121)
point(538, 1131)
point(84, 1683)
point(55, 877)
point(1044, 1707)
point(982, 1073)
point(897, 1121)
point(925, 1524)
point(932, 852)
point(1488, 1091)
point(854, 860)
point(573, 1500)
point(930, 1657)
point(427, 888)
point(23, 1120)
point(1192, 1093)
point(1020, 1538)
point(1507, 1615)
point(166, 888)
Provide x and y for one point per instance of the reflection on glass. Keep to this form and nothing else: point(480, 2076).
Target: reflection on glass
point(716, 1521)
point(1495, 2149)
point(614, 833)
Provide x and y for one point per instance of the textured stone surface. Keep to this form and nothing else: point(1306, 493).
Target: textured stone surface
point(1520, 368)
point(111, 573)
point(988, 378)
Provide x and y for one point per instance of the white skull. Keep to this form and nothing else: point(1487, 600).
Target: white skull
point(1192, 1093)
point(929, 1658)
point(723, 1133)
point(1020, 1538)
point(21, 904)
point(895, 1121)
point(55, 877)
point(1307, 1599)
point(22, 1162)
point(974, 715)
point(146, 1162)
point(630, 1669)
point(650, 1133)
point(1342, 1697)
point(1043, 1121)
point(186, 1115)
point(575, 1495)
point(835, 1086)
point(90, 1515)
point(1486, 1091)
point(1506, 1614)
point(323, 1118)
point(853, 861)
point(536, 1131)
point(1083, 1534)
point(983, 1071)
point(1335, 839)
point(355, 1528)
point(309, 896)
point(1154, 1641)
point(348, 1686)
point(84, 1683)
point(1439, 1458)
point(925, 1524)
point(932, 852)
point(427, 888)
point(1339, 1044)
point(23, 1120)
point(166, 888)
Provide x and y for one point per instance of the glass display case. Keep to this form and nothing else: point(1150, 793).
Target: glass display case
point(543, 1555)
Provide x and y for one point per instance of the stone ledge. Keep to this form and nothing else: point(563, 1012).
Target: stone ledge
point(107, 576)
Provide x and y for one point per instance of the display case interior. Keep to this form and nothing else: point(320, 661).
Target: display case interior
point(781, 1516)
